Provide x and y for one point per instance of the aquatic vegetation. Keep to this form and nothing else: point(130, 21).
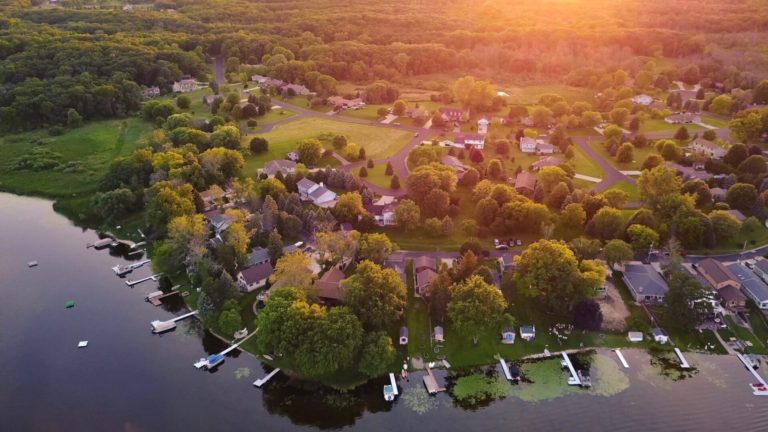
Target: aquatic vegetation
point(417, 399)
point(543, 380)
point(480, 388)
point(242, 372)
point(711, 371)
point(609, 379)
point(337, 400)
point(665, 365)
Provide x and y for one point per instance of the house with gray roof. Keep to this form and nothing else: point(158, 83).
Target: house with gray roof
point(645, 283)
point(717, 274)
point(273, 167)
point(258, 256)
point(761, 269)
point(707, 148)
point(318, 194)
point(751, 285)
point(254, 277)
point(424, 272)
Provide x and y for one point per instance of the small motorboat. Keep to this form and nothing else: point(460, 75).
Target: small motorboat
point(389, 394)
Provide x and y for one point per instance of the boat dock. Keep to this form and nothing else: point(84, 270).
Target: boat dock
point(683, 362)
point(760, 389)
point(131, 283)
point(621, 358)
point(431, 383)
point(574, 378)
point(163, 326)
point(155, 297)
point(260, 382)
point(121, 270)
point(505, 368)
point(206, 363)
point(393, 382)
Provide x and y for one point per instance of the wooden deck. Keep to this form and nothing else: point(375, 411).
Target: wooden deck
point(431, 383)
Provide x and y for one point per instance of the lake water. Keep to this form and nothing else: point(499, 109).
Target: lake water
point(128, 379)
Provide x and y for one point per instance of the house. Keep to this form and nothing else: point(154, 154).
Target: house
point(707, 148)
point(525, 183)
point(403, 335)
point(383, 215)
point(186, 84)
point(738, 215)
point(254, 277)
point(150, 92)
point(258, 79)
point(718, 194)
point(296, 89)
point(527, 121)
point(547, 161)
point(482, 126)
point(438, 335)
point(293, 247)
point(689, 172)
point(761, 269)
point(751, 285)
point(659, 335)
point(329, 285)
point(642, 99)
point(293, 156)
point(417, 113)
point(544, 148)
point(528, 333)
point(506, 261)
point(318, 194)
point(271, 82)
point(528, 145)
point(211, 197)
point(731, 298)
point(468, 141)
point(454, 115)
point(508, 335)
point(717, 274)
point(208, 100)
point(683, 118)
point(339, 103)
point(456, 164)
point(258, 256)
point(424, 272)
point(218, 221)
point(645, 283)
point(284, 166)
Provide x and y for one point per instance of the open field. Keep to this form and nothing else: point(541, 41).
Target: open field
point(583, 164)
point(530, 94)
point(656, 125)
point(640, 154)
point(83, 156)
point(378, 142)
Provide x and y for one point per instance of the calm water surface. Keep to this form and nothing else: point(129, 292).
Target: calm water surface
point(128, 379)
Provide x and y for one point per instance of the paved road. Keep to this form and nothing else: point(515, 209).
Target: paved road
point(218, 68)
point(611, 175)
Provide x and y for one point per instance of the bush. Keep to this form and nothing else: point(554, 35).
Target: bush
point(259, 145)
point(252, 123)
point(587, 315)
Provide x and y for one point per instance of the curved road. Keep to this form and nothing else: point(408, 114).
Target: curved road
point(611, 175)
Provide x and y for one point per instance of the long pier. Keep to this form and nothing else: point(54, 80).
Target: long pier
point(154, 277)
point(621, 358)
point(260, 382)
point(759, 379)
point(203, 362)
point(683, 362)
point(574, 379)
point(393, 382)
point(163, 326)
point(121, 270)
point(505, 368)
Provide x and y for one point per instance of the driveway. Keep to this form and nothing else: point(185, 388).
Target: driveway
point(611, 175)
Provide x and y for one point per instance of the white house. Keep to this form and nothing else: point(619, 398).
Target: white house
point(185, 85)
point(475, 141)
point(635, 336)
point(527, 145)
point(284, 166)
point(254, 277)
point(528, 332)
point(707, 148)
point(543, 148)
point(642, 99)
point(318, 194)
point(659, 335)
point(482, 126)
point(294, 156)
point(383, 214)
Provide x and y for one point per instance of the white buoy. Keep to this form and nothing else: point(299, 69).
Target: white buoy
point(82, 344)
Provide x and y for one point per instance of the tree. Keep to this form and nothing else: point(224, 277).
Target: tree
point(338, 244)
point(724, 224)
point(619, 116)
point(652, 161)
point(309, 151)
point(549, 177)
point(74, 119)
point(274, 245)
point(166, 203)
point(557, 197)
point(388, 171)
point(486, 211)
point(683, 292)
point(475, 306)
point(607, 224)
point(259, 145)
point(741, 196)
point(375, 295)
point(226, 136)
point(183, 101)
point(439, 295)
point(616, 252)
point(642, 237)
point(433, 227)
point(436, 203)
point(634, 124)
point(549, 271)
point(407, 214)
point(587, 315)
point(542, 116)
point(669, 150)
point(446, 226)
point(378, 354)
point(293, 270)
point(700, 190)
point(394, 183)
point(615, 198)
point(573, 217)
point(476, 156)
point(113, 205)
point(657, 183)
point(376, 247)
point(238, 239)
point(339, 142)
point(682, 134)
point(495, 170)
point(399, 107)
point(722, 105)
point(745, 127)
point(760, 93)
point(753, 167)
point(363, 172)
point(468, 227)
point(736, 154)
point(626, 153)
point(229, 320)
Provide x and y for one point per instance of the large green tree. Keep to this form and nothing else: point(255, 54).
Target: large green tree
point(475, 307)
point(375, 295)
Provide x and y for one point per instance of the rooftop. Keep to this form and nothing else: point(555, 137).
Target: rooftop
point(644, 279)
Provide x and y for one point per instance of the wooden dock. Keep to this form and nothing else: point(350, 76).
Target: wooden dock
point(260, 382)
point(683, 362)
point(155, 300)
point(431, 383)
point(131, 283)
point(621, 358)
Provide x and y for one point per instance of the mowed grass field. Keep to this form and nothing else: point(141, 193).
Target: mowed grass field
point(531, 94)
point(378, 142)
point(86, 151)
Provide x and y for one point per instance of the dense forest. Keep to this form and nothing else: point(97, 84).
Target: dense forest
point(94, 55)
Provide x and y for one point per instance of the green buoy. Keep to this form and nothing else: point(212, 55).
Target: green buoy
point(70, 304)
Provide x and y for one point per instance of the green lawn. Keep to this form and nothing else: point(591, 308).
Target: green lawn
point(376, 175)
point(639, 156)
point(368, 112)
point(630, 189)
point(84, 155)
point(417, 319)
point(758, 347)
point(378, 142)
point(656, 125)
point(737, 243)
point(530, 94)
point(758, 322)
point(714, 121)
point(584, 165)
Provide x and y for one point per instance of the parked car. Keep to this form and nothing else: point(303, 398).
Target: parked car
point(416, 134)
point(519, 242)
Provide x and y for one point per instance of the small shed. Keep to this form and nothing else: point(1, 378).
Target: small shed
point(528, 332)
point(403, 335)
point(659, 335)
point(439, 335)
point(508, 335)
point(635, 336)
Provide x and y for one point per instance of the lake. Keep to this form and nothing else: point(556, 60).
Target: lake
point(129, 379)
